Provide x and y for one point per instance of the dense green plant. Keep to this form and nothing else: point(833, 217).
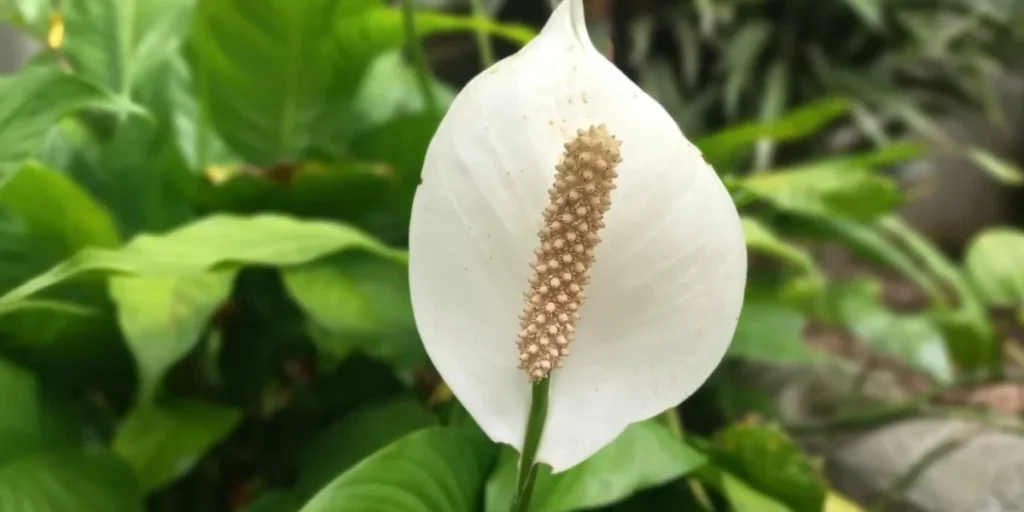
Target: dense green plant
point(899, 62)
point(203, 296)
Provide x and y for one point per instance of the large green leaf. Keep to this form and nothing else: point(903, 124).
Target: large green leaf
point(55, 207)
point(219, 241)
point(360, 434)
point(34, 100)
point(433, 470)
point(359, 301)
point(769, 461)
point(995, 264)
point(770, 329)
point(647, 454)
point(721, 148)
point(913, 339)
point(854, 193)
point(163, 317)
point(33, 419)
point(264, 70)
point(760, 238)
point(119, 43)
point(69, 480)
point(163, 442)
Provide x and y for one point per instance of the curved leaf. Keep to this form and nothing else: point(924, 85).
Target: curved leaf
point(79, 481)
point(647, 454)
point(434, 470)
point(995, 263)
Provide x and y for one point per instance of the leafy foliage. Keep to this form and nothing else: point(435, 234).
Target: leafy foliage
point(203, 293)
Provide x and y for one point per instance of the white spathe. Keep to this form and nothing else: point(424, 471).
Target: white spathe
point(667, 285)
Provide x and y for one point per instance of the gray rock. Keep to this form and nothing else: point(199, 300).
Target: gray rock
point(984, 473)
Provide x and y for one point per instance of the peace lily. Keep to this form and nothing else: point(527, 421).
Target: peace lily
point(566, 229)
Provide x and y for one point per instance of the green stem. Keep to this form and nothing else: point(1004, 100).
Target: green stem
point(419, 59)
point(527, 460)
point(483, 40)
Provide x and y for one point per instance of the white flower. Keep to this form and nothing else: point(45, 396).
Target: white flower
point(505, 194)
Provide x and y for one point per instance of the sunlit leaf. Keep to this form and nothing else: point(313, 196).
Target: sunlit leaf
point(433, 470)
point(165, 441)
point(163, 317)
point(912, 338)
point(1002, 170)
point(342, 445)
point(610, 475)
point(855, 193)
point(765, 458)
point(32, 101)
point(214, 242)
point(995, 264)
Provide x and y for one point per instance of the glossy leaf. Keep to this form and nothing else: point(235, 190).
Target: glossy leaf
point(163, 442)
point(721, 147)
point(433, 470)
point(912, 338)
point(1000, 169)
point(55, 207)
point(264, 71)
point(646, 455)
point(119, 43)
point(858, 194)
point(768, 460)
point(770, 329)
point(362, 301)
point(33, 420)
point(995, 264)
point(34, 100)
point(342, 445)
point(163, 318)
point(214, 242)
point(760, 238)
point(69, 480)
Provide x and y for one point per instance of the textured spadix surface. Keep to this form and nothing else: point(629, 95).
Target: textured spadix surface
point(665, 286)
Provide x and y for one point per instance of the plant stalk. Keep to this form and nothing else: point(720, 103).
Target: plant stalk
point(527, 460)
point(483, 40)
point(419, 58)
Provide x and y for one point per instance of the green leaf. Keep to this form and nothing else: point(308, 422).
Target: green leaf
point(433, 470)
point(361, 301)
point(645, 455)
point(32, 419)
point(870, 11)
point(858, 194)
point(770, 329)
point(760, 238)
point(163, 317)
point(265, 69)
point(32, 101)
point(32, 14)
point(359, 435)
point(744, 498)
point(1000, 169)
point(769, 461)
point(69, 480)
point(218, 241)
point(55, 207)
point(720, 148)
point(119, 43)
point(913, 339)
point(163, 442)
point(995, 263)
point(741, 54)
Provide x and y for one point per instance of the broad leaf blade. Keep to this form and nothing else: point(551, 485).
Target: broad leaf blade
point(434, 470)
point(163, 318)
point(163, 442)
point(647, 454)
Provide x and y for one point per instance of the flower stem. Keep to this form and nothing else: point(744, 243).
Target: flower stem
point(419, 59)
point(483, 41)
point(527, 460)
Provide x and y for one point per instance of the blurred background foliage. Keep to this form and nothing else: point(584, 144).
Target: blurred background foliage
point(204, 206)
